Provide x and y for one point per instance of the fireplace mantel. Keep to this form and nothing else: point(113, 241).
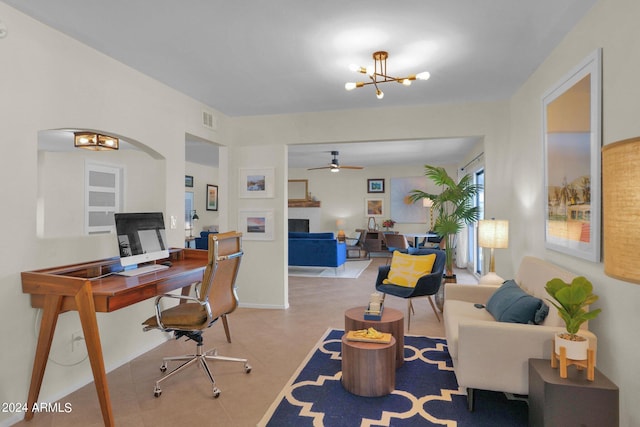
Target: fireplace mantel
point(304, 204)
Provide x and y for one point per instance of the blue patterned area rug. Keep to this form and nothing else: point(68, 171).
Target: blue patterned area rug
point(426, 393)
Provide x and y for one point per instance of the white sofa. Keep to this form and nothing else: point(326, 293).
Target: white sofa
point(492, 355)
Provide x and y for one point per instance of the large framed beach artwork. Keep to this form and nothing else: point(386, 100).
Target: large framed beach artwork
point(572, 143)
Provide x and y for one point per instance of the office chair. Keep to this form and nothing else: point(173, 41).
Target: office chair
point(426, 286)
point(215, 298)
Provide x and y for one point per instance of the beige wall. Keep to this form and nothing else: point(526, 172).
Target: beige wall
point(343, 195)
point(48, 81)
point(610, 25)
point(203, 175)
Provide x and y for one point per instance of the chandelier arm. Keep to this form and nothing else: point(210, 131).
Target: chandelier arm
point(388, 79)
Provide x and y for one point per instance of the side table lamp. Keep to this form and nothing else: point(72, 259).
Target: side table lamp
point(493, 234)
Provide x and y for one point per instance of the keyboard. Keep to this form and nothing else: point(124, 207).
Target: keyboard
point(146, 269)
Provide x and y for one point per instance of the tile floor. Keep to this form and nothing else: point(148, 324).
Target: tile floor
point(274, 341)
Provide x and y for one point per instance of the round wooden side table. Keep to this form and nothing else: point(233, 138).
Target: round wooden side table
point(368, 369)
point(392, 322)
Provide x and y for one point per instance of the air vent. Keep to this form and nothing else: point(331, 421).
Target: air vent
point(208, 120)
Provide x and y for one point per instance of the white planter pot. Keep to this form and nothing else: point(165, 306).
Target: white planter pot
point(576, 350)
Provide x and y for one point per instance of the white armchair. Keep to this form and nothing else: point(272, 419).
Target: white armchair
point(492, 355)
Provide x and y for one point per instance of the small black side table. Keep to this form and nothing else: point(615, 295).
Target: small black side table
point(571, 401)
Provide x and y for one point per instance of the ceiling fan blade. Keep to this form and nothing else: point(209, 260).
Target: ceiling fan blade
point(335, 165)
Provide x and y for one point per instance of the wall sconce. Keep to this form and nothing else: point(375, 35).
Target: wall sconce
point(620, 209)
point(95, 141)
point(494, 235)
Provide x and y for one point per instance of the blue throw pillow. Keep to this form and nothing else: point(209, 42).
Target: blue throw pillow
point(511, 304)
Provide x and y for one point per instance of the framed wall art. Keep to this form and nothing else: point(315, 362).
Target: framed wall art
point(298, 190)
point(188, 181)
point(256, 183)
point(572, 143)
point(212, 197)
point(256, 224)
point(375, 185)
point(373, 207)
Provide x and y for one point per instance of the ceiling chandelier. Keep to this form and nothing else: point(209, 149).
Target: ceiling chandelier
point(378, 74)
point(95, 141)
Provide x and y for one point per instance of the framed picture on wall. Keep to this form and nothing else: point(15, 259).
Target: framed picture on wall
point(572, 143)
point(256, 224)
point(212, 197)
point(375, 185)
point(256, 183)
point(188, 181)
point(373, 207)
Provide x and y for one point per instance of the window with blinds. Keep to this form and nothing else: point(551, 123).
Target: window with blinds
point(102, 197)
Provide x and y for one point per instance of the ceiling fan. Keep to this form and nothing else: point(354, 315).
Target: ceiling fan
point(334, 166)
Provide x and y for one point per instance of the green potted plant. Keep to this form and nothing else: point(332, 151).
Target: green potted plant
point(453, 206)
point(572, 300)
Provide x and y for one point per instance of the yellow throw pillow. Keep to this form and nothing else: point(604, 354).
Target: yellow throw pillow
point(407, 269)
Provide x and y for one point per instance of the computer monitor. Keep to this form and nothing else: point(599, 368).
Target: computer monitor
point(141, 237)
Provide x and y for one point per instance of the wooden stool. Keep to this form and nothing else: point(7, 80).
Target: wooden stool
point(392, 322)
point(368, 369)
point(590, 363)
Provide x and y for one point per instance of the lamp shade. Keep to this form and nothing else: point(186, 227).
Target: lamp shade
point(621, 209)
point(493, 233)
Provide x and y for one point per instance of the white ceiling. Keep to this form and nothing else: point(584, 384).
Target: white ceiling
point(250, 57)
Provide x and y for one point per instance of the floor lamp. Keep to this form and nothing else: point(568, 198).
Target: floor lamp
point(194, 218)
point(493, 234)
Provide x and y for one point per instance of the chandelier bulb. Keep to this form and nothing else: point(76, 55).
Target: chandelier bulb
point(350, 86)
point(423, 76)
point(406, 82)
point(370, 70)
point(379, 94)
point(357, 69)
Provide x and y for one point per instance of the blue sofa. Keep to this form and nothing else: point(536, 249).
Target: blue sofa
point(316, 250)
point(202, 242)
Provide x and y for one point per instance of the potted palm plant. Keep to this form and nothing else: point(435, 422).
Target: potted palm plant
point(572, 300)
point(453, 206)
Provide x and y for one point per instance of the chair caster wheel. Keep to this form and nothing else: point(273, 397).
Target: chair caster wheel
point(163, 368)
point(247, 368)
point(157, 392)
point(216, 392)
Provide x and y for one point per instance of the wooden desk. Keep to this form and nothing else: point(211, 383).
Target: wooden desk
point(77, 288)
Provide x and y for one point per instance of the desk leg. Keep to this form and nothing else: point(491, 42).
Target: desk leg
point(87, 313)
point(52, 305)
